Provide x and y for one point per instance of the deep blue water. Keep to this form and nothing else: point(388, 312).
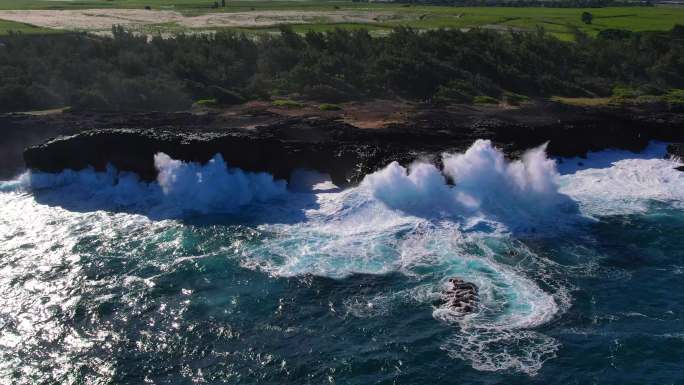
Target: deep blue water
point(106, 285)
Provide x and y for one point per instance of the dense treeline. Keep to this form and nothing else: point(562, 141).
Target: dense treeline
point(128, 72)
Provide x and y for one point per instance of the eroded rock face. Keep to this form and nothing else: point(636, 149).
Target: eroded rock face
point(344, 152)
point(459, 296)
point(279, 144)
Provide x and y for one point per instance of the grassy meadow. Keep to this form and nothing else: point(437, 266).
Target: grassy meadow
point(558, 21)
point(7, 26)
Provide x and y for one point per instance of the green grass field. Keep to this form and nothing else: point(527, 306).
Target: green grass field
point(558, 21)
point(7, 26)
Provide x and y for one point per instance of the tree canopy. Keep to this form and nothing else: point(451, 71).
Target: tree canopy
point(129, 72)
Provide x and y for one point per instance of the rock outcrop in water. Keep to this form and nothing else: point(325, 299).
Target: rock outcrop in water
point(460, 296)
point(278, 144)
point(676, 150)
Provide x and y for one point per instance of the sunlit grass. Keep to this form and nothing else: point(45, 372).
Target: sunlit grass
point(7, 26)
point(560, 22)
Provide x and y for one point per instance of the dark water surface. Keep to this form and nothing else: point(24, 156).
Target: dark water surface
point(338, 286)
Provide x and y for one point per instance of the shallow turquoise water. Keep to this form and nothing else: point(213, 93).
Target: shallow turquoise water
point(332, 286)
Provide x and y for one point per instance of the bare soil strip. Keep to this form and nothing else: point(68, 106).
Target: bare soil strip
point(103, 19)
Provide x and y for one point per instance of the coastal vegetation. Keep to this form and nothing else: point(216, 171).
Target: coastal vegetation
point(131, 72)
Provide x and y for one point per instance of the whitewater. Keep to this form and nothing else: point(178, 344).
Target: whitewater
point(213, 274)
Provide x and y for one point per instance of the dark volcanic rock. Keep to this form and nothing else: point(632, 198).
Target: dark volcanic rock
point(459, 296)
point(134, 150)
point(344, 152)
point(676, 150)
point(280, 143)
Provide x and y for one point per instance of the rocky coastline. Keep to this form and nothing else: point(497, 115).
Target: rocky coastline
point(276, 142)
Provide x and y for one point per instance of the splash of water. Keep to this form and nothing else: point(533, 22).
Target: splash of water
point(518, 193)
point(213, 187)
point(180, 188)
point(422, 222)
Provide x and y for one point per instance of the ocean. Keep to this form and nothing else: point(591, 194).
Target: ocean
point(215, 275)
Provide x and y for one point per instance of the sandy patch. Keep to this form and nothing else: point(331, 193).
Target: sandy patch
point(104, 19)
point(377, 113)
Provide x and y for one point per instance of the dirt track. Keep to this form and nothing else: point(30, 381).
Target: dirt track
point(98, 20)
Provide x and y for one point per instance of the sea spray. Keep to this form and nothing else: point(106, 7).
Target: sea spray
point(213, 187)
point(412, 227)
point(483, 174)
point(518, 193)
point(180, 188)
point(422, 187)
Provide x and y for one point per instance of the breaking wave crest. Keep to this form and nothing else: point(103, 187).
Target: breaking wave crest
point(180, 188)
point(423, 222)
point(518, 193)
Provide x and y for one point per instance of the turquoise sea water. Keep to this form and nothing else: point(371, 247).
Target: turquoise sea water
point(215, 276)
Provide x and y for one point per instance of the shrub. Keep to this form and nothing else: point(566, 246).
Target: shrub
point(206, 103)
point(484, 86)
point(650, 89)
point(329, 107)
point(287, 103)
point(326, 93)
point(675, 96)
point(614, 34)
point(514, 99)
point(624, 94)
point(648, 99)
point(596, 86)
point(484, 99)
point(224, 96)
point(259, 87)
point(456, 91)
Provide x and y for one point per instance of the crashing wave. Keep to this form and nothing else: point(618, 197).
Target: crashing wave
point(180, 188)
point(520, 193)
point(424, 222)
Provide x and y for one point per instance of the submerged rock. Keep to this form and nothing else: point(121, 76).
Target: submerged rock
point(459, 296)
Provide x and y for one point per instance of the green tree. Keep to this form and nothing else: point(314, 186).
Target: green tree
point(587, 17)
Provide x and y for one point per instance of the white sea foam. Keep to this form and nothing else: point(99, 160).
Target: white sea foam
point(619, 182)
point(423, 222)
point(496, 349)
point(606, 158)
point(180, 188)
point(520, 194)
point(213, 187)
point(352, 232)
